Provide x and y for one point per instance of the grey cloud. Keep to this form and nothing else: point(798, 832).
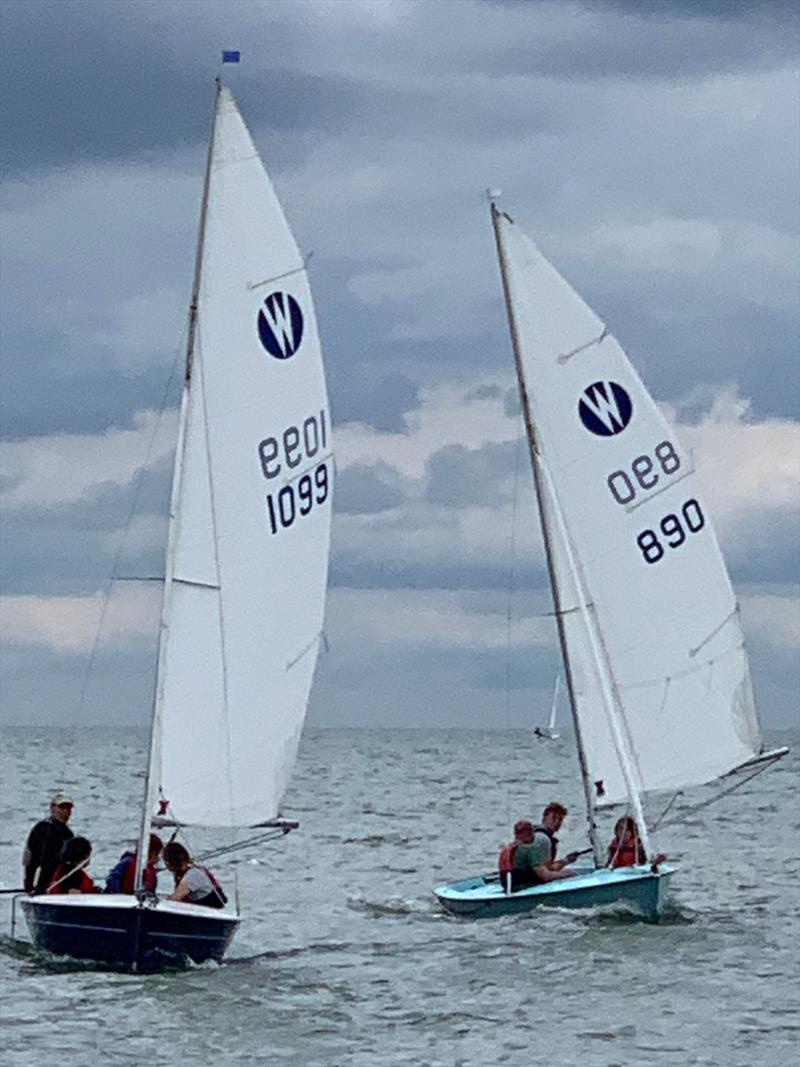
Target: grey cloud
point(658, 40)
point(411, 573)
point(40, 686)
point(365, 489)
point(484, 392)
point(74, 548)
point(96, 82)
point(500, 670)
point(363, 394)
point(765, 547)
point(470, 477)
point(711, 341)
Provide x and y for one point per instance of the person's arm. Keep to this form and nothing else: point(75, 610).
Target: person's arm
point(181, 891)
point(551, 872)
point(31, 858)
point(559, 865)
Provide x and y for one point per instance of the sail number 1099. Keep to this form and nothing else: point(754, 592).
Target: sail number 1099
point(285, 452)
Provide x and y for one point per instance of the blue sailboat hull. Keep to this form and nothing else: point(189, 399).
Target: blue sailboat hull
point(118, 931)
point(483, 897)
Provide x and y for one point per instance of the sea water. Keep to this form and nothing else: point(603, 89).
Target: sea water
point(345, 958)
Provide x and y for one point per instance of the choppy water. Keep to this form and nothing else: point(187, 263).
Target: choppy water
point(344, 957)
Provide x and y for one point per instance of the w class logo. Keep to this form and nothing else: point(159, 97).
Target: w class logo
point(605, 408)
point(280, 325)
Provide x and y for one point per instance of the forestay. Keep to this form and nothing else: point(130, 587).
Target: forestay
point(620, 486)
point(251, 510)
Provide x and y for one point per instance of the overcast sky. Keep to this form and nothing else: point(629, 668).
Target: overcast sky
point(650, 148)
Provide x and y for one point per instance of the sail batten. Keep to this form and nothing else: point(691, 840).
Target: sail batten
point(646, 605)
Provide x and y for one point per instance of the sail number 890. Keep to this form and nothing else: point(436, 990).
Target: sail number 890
point(297, 498)
point(672, 530)
point(644, 472)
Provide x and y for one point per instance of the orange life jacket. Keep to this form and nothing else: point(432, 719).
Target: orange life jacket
point(506, 862)
point(626, 854)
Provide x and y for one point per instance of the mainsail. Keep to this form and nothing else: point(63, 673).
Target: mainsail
point(251, 512)
point(647, 608)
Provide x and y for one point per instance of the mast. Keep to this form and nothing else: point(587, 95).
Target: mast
point(546, 536)
point(158, 693)
point(608, 698)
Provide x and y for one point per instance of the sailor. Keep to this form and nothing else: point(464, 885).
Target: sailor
point(536, 863)
point(120, 879)
point(523, 835)
point(70, 875)
point(194, 884)
point(45, 841)
point(626, 848)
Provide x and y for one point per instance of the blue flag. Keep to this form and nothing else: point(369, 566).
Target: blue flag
point(231, 57)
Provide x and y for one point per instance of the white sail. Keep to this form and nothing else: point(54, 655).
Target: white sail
point(251, 510)
point(657, 597)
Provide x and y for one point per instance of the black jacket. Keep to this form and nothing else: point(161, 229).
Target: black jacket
point(43, 852)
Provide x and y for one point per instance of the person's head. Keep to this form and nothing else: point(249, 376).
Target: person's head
point(625, 828)
point(523, 831)
point(176, 858)
point(75, 852)
point(155, 846)
point(61, 807)
point(553, 816)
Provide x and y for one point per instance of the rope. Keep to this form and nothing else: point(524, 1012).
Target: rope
point(660, 819)
point(73, 870)
point(712, 800)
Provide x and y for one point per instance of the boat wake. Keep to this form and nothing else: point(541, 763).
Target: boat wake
point(621, 914)
point(397, 907)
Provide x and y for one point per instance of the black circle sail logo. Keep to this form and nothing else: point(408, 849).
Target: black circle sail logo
point(605, 408)
point(280, 325)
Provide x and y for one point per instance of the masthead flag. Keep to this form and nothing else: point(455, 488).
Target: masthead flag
point(231, 57)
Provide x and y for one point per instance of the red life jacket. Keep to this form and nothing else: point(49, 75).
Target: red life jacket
point(626, 854)
point(149, 876)
point(71, 882)
point(506, 862)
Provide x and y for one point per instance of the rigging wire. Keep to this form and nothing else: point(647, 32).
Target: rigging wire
point(707, 803)
point(138, 482)
point(512, 550)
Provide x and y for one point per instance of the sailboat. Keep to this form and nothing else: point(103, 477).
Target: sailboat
point(549, 732)
point(246, 563)
point(649, 628)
